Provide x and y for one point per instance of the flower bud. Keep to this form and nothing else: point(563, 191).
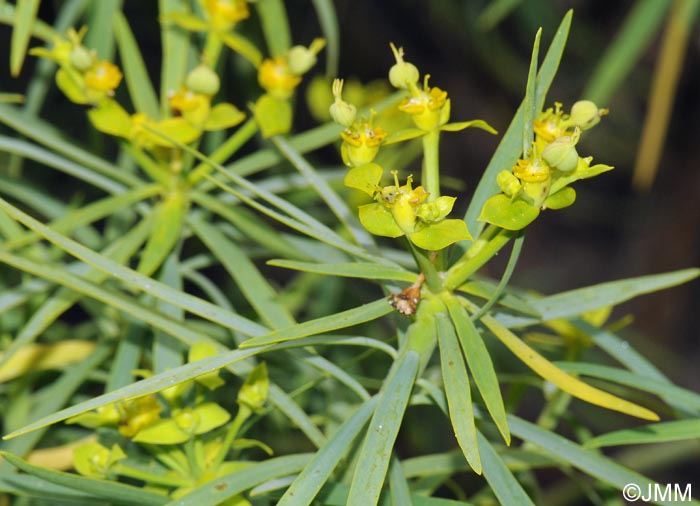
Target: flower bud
point(81, 58)
point(561, 153)
point(342, 113)
point(202, 79)
point(585, 114)
point(508, 183)
point(402, 74)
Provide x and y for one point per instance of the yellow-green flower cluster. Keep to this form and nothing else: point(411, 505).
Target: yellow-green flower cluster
point(403, 210)
point(82, 77)
point(553, 154)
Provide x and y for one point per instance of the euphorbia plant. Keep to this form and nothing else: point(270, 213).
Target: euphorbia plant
point(166, 270)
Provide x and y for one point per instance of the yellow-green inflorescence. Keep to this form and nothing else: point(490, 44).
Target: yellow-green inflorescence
point(541, 180)
point(401, 210)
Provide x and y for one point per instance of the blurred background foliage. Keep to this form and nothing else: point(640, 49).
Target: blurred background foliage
point(479, 51)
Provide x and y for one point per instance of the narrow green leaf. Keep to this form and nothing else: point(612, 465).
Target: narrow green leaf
point(275, 25)
point(116, 492)
point(147, 386)
point(337, 205)
point(307, 485)
point(502, 482)
point(510, 268)
point(510, 147)
point(457, 390)
point(680, 398)
point(101, 22)
point(328, 19)
point(480, 365)
point(169, 216)
point(344, 319)
point(486, 289)
point(256, 289)
point(564, 381)
point(582, 300)
point(530, 105)
point(361, 270)
point(592, 463)
point(50, 159)
point(293, 411)
point(398, 485)
point(631, 41)
point(376, 451)
point(175, 43)
point(39, 29)
point(25, 15)
point(140, 87)
point(167, 350)
point(188, 302)
point(225, 487)
point(663, 432)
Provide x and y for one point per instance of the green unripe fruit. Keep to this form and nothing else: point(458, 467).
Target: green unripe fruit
point(402, 73)
point(561, 153)
point(300, 59)
point(585, 114)
point(81, 58)
point(202, 79)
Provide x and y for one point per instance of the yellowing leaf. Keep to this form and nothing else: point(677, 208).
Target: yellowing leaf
point(561, 379)
point(437, 236)
point(39, 357)
point(364, 178)
point(499, 210)
point(378, 220)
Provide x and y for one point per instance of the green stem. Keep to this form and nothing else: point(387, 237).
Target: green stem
point(481, 251)
point(432, 278)
point(431, 164)
point(212, 49)
point(243, 414)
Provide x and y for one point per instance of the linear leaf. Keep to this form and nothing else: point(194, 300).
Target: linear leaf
point(588, 461)
point(677, 397)
point(328, 19)
point(344, 319)
point(480, 365)
point(25, 15)
point(663, 432)
point(363, 270)
point(564, 381)
point(140, 87)
point(458, 391)
point(220, 489)
point(117, 492)
point(275, 25)
point(168, 218)
point(293, 411)
point(499, 477)
point(163, 292)
point(175, 44)
point(50, 159)
point(256, 289)
point(100, 37)
point(376, 451)
point(151, 385)
point(632, 39)
point(47, 135)
point(530, 106)
point(398, 485)
point(307, 485)
point(486, 290)
point(582, 300)
point(510, 147)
